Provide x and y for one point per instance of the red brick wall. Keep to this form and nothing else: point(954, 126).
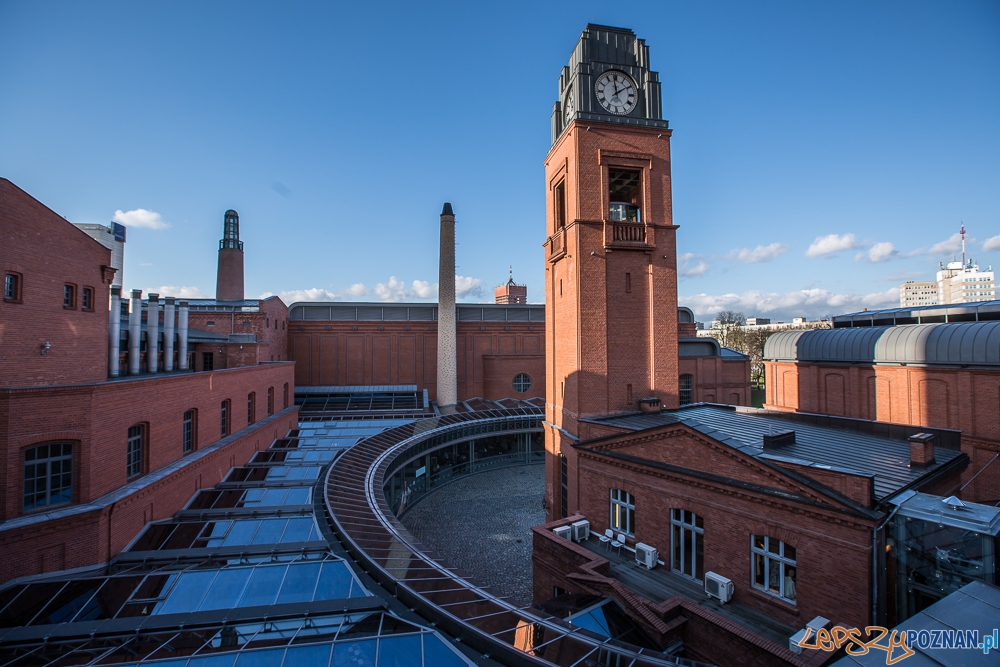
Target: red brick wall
point(48, 252)
point(717, 381)
point(270, 325)
point(833, 549)
point(95, 536)
point(956, 398)
point(334, 353)
point(229, 284)
point(97, 417)
point(500, 370)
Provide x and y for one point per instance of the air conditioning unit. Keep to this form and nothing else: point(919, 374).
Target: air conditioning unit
point(563, 532)
point(646, 555)
point(581, 530)
point(718, 586)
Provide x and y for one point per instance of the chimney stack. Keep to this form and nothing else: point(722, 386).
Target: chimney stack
point(182, 335)
point(921, 450)
point(153, 333)
point(134, 332)
point(168, 334)
point(114, 331)
point(447, 376)
point(229, 284)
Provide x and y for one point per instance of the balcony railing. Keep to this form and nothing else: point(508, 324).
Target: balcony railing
point(626, 234)
point(557, 245)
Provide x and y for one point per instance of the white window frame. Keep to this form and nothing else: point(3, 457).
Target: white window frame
point(678, 526)
point(622, 507)
point(779, 559)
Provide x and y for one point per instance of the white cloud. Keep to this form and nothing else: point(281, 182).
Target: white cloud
point(394, 290)
point(992, 243)
point(881, 252)
point(690, 265)
point(949, 246)
point(759, 254)
point(424, 290)
point(357, 289)
point(466, 287)
point(314, 294)
point(810, 303)
point(824, 245)
point(140, 217)
point(184, 292)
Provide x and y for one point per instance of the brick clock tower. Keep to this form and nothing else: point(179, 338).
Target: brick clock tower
point(611, 270)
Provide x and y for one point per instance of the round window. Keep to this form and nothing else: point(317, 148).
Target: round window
point(522, 383)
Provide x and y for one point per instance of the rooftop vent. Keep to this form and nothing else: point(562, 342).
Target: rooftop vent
point(921, 450)
point(954, 503)
point(649, 404)
point(779, 439)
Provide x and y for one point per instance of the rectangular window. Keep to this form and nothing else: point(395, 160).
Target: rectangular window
point(686, 389)
point(622, 512)
point(69, 296)
point(628, 282)
point(134, 453)
point(774, 569)
point(270, 400)
point(48, 475)
point(250, 407)
point(687, 539)
point(285, 396)
point(88, 299)
point(188, 438)
point(207, 361)
point(625, 195)
point(563, 486)
point(12, 287)
point(559, 204)
point(224, 419)
point(628, 394)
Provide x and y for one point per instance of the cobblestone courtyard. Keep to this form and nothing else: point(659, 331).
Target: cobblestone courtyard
point(482, 525)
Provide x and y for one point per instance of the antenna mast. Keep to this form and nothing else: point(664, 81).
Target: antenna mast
point(963, 244)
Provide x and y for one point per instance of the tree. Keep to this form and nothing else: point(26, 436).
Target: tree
point(729, 330)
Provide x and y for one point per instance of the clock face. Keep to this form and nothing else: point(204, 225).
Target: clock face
point(569, 108)
point(616, 92)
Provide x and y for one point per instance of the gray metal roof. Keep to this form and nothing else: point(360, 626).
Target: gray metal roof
point(980, 311)
point(884, 458)
point(975, 606)
point(953, 344)
point(355, 311)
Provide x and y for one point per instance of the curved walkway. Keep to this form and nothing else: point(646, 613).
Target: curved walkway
point(482, 525)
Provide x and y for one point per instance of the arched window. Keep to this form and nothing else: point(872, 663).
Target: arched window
point(48, 475)
point(190, 431)
point(224, 418)
point(686, 389)
point(522, 383)
point(251, 408)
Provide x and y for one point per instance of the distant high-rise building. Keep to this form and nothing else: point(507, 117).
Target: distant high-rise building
point(229, 286)
point(914, 294)
point(510, 292)
point(111, 237)
point(958, 283)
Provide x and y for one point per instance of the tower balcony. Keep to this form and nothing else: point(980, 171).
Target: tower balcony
point(627, 234)
point(557, 245)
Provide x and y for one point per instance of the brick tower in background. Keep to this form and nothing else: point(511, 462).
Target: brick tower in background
point(229, 286)
point(510, 292)
point(611, 273)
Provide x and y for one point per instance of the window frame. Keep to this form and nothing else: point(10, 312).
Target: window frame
point(679, 556)
point(766, 556)
point(225, 409)
point(251, 408)
point(189, 431)
point(522, 377)
point(136, 467)
point(628, 504)
point(682, 390)
point(71, 457)
point(270, 401)
point(18, 285)
point(69, 293)
point(285, 396)
point(87, 299)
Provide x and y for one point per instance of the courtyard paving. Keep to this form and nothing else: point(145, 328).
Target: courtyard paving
point(482, 525)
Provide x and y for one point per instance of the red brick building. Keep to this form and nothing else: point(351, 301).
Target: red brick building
point(510, 292)
point(936, 374)
point(88, 460)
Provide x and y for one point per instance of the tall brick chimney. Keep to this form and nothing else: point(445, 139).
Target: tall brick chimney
point(447, 375)
point(229, 286)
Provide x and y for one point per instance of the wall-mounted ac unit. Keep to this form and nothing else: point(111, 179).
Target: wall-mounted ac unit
point(646, 555)
point(581, 530)
point(718, 586)
point(563, 531)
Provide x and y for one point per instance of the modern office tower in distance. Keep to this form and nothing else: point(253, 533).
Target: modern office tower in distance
point(965, 283)
point(111, 237)
point(510, 292)
point(915, 294)
point(229, 286)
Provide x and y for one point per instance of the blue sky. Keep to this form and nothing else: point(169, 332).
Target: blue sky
point(822, 152)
